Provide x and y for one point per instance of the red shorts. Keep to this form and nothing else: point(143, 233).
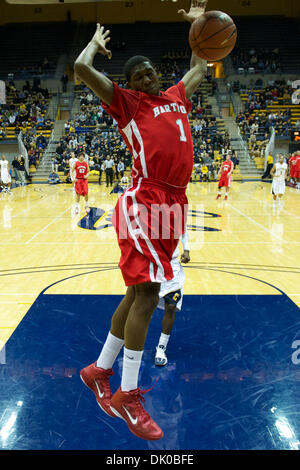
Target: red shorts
point(225, 180)
point(81, 187)
point(292, 171)
point(296, 174)
point(149, 219)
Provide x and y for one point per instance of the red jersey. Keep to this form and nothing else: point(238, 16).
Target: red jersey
point(298, 162)
point(293, 161)
point(226, 167)
point(81, 169)
point(157, 132)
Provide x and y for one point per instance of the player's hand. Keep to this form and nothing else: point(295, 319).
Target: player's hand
point(101, 38)
point(197, 9)
point(185, 257)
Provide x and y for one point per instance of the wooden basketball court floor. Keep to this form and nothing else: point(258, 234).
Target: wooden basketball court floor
point(232, 380)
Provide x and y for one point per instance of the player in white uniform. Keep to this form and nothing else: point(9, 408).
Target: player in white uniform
point(72, 162)
point(5, 176)
point(170, 299)
point(279, 174)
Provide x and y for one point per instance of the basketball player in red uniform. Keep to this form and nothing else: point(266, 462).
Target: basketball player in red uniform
point(225, 171)
point(154, 124)
point(297, 170)
point(82, 170)
point(294, 168)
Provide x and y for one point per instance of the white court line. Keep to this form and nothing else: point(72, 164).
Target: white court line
point(48, 225)
point(257, 223)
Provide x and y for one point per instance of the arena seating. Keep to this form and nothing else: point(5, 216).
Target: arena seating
point(29, 117)
point(268, 34)
point(30, 44)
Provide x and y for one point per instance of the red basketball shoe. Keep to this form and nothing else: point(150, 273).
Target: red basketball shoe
point(226, 197)
point(218, 196)
point(97, 380)
point(127, 405)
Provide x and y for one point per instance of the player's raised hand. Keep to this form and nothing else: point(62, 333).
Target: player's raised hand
point(197, 9)
point(101, 38)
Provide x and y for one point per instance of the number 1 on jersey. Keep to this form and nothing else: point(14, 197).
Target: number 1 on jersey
point(182, 134)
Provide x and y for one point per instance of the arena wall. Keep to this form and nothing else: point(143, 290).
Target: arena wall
point(138, 10)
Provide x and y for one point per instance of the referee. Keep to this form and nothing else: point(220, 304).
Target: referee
point(108, 166)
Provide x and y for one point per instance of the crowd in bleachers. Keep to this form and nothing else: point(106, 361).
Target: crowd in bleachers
point(265, 108)
point(37, 69)
point(260, 60)
point(25, 111)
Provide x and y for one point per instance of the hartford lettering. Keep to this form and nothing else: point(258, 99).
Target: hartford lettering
point(169, 108)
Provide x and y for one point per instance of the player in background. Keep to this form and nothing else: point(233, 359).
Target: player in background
point(279, 175)
point(72, 161)
point(294, 166)
point(170, 299)
point(149, 120)
point(81, 169)
point(225, 172)
point(5, 175)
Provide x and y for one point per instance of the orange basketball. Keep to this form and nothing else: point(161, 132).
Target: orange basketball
point(213, 35)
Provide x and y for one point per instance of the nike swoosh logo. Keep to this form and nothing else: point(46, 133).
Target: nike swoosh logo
point(133, 420)
point(128, 357)
point(101, 394)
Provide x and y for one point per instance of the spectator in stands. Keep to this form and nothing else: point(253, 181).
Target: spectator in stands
point(54, 164)
point(212, 171)
point(53, 178)
point(204, 172)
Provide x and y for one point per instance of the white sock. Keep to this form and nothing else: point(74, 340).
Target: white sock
point(131, 367)
point(110, 351)
point(163, 340)
point(226, 194)
point(86, 204)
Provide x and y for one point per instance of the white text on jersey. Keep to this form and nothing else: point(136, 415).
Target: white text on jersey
point(169, 108)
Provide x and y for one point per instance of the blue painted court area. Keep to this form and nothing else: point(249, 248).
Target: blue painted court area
point(230, 382)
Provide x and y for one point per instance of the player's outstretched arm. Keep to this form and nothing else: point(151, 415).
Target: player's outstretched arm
point(84, 70)
point(198, 66)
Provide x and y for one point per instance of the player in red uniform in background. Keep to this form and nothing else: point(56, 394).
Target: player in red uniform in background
point(150, 121)
point(82, 170)
point(294, 168)
point(225, 171)
point(297, 171)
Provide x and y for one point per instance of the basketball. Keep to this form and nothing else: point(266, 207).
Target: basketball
point(213, 35)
